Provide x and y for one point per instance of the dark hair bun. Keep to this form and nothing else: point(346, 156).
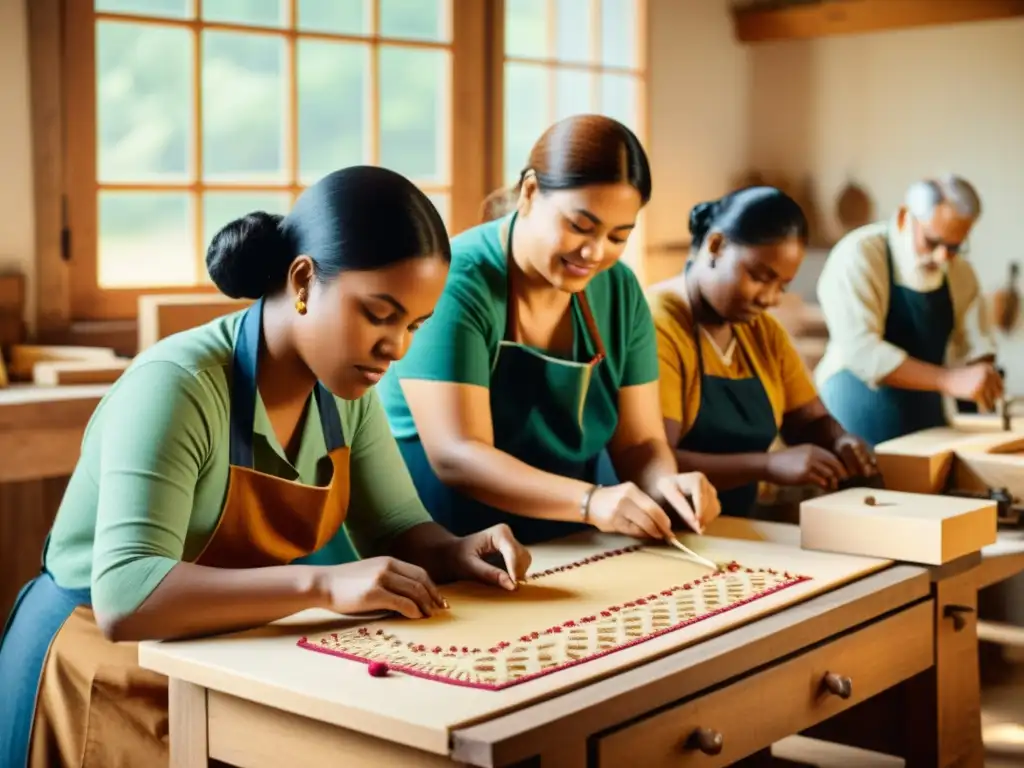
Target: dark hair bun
point(702, 217)
point(249, 256)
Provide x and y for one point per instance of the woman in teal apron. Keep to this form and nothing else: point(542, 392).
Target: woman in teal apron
point(229, 458)
point(530, 397)
point(919, 323)
point(732, 382)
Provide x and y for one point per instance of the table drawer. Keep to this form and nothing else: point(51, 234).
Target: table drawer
point(751, 714)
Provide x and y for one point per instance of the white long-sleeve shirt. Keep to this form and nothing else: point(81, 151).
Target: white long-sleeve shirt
point(853, 291)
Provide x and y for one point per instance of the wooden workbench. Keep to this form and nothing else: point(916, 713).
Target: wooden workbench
point(234, 699)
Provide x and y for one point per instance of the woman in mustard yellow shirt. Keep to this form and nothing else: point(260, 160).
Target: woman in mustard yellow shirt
point(731, 380)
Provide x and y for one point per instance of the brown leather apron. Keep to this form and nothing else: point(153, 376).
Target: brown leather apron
point(96, 708)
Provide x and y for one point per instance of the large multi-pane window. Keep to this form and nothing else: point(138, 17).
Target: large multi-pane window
point(180, 115)
point(202, 110)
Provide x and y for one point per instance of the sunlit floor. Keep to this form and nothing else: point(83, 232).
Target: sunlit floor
point(1002, 721)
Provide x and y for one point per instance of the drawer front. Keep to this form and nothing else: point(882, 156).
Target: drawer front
point(755, 712)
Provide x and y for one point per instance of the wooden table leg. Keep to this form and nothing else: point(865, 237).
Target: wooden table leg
point(188, 724)
point(958, 678)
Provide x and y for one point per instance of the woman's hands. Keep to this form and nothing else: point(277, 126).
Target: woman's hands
point(625, 509)
point(693, 496)
point(390, 584)
point(857, 456)
point(469, 557)
point(805, 465)
point(379, 584)
point(812, 465)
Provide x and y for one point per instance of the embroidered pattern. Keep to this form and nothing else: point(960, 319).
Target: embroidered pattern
point(541, 652)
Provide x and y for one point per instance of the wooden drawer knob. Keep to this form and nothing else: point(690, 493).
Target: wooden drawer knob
point(958, 614)
point(707, 740)
point(839, 685)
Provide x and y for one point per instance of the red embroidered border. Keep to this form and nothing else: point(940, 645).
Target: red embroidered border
point(732, 567)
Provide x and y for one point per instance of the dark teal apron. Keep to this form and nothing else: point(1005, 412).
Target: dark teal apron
point(921, 325)
point(545, 413)
point(735, 416)
point(43, 606)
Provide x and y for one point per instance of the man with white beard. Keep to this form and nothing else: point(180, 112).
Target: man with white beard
point(906, 318)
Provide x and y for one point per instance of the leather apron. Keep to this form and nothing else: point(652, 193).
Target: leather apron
point(734, 416)
point(81, 700)
point(542, 410)
point(919, 323)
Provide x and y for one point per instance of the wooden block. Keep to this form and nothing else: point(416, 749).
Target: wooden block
point(919, 462)
point(162, 315)
point(991, 461)
point(23, 357)
point(4, 379)
point(64, 372)
point(911, 527)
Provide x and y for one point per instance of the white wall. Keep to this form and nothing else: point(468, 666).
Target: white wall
point(888, 108)
point(697, 97)
point(17, 223)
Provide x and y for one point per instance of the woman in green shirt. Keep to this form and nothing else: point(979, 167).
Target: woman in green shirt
point(541, 357)
point(225, 455)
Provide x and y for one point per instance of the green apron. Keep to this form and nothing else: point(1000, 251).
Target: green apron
point(546, 412)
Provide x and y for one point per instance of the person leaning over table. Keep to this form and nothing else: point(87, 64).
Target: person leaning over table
point(731, 379)
point(228, 453)
point(897, 298)
point(541, 356)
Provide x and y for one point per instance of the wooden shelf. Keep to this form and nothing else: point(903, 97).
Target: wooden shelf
point(848, 17)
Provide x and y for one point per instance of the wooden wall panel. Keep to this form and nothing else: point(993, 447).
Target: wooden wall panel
point(27, 509)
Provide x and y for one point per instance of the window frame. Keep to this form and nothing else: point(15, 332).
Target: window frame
point(635, 256)
point(83, 300)
point(64, 154)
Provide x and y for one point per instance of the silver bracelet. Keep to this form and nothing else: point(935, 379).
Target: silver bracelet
point(585, 503)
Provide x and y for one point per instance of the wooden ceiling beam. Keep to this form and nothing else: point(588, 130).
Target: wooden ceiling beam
point(849, 17)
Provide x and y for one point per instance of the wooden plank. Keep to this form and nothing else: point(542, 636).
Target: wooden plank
point(23, 357)
point(604, 704)
point(67, 373)
point(162, 315)
point(860, 16)
point(339, 691)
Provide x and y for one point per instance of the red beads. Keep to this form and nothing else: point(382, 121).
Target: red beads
point(377, 669)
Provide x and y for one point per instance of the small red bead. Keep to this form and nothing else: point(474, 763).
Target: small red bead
point(377, 669)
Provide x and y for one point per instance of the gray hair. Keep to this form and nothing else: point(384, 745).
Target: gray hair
point(925, 196)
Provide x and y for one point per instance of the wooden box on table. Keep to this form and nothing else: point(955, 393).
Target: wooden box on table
point(910, 527)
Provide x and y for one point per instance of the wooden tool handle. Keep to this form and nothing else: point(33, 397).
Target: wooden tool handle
point(839, 685)
point(707, 740)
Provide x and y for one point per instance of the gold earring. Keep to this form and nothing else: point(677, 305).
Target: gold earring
point(300, 303)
